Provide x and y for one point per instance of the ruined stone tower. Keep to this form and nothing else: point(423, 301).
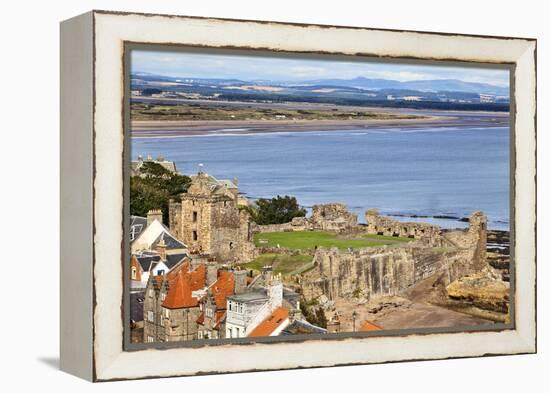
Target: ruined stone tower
point(477, 233)
point(208, 219)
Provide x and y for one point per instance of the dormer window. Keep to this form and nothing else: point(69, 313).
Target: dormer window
point(134, 273)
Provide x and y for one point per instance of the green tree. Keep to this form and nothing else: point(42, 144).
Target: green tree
point(277, 210)
point(153, 189)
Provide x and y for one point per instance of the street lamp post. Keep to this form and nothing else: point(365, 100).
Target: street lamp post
point(353, 316)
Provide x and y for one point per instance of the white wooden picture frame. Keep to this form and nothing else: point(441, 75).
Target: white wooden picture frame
point(92, 194)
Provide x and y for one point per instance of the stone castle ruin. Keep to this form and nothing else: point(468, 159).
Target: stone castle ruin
point(208, 219)
point(331, 217)
point(380, 225)
point(387, 271)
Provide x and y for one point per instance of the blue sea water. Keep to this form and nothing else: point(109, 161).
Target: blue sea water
point(422, 171)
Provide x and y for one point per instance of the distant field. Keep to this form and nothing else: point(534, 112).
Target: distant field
point(310, 239)
point(185, 112)
point(284, 264)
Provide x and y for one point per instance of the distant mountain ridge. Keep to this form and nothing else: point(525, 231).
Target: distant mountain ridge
point(419, 85)
point(431, 85)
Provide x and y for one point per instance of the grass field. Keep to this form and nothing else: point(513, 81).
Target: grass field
point(204, 111)
point(284, 264)
point(310, 239)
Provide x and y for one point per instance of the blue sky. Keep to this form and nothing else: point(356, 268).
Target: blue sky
point(200, 65)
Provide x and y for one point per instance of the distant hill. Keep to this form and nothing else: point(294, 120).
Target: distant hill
point(433, 85)
point(435, 94)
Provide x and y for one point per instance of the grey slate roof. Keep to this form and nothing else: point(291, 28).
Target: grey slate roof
point(171, 242)
point(146, 259)
point(137, 225)
point(172, 260)
point(302, 327)
point(136, 306)
point(291, 297)
point(250, 296)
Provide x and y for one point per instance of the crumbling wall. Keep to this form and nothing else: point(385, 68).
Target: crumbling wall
point(297, 224)
point(382, 271)
point(380, 225)
point(333, 217)
point(246, 251)
point(374, 272)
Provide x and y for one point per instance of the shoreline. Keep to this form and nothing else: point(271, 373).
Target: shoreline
point(156, 128)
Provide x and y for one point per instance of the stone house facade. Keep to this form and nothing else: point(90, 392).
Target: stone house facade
point(171, 305)
point(190, 301)
point(247, 310)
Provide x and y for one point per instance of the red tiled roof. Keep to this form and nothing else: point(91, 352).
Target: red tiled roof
point(368, 326)
point(134, 264)
point(198, 278)
point(182, 284)
point(220, 317)
point(222, 288)
point(200, 319)
point(271, 323)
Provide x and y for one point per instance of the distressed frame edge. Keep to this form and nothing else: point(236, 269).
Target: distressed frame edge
point(128, 47)
point(528, 339)
point(76, 207)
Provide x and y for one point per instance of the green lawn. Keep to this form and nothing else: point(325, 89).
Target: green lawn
point(310, 239)
point(281, 263)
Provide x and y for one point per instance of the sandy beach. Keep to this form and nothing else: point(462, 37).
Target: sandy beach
point(155, 128)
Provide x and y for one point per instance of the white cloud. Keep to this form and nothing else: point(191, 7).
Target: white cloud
point(202, 65)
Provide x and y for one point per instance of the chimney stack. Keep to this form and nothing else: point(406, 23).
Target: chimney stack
point(211, 273)
point(160, 248)
point(240, 280)
point(267, 273)
point(154, 214)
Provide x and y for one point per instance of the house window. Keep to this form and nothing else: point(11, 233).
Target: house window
point(230, 331)
point(150, 316)
point(163, 296)
point(200, 334)
point(230, 245)
point(195, 216)
point(237, 332)
point(150, 339)
point(195, 236)
point(167, 313)
point(209, 312)
point(160, 273)
point(134, 273)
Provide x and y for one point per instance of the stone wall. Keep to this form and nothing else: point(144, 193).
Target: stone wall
point(374, 272)
point(333, 217)
point(382, 271)
point(297, 224)
point(209, 221)
point(381, 225)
